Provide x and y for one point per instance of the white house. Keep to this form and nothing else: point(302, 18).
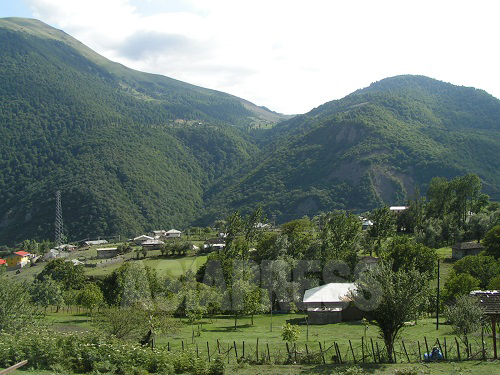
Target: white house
point(397, 209)
point(173, 233)
point(330, 303)
point(141, 239)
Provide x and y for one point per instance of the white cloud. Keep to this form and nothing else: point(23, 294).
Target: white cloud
point(288, 55)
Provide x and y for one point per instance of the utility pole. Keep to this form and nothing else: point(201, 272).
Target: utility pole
point(59, 227)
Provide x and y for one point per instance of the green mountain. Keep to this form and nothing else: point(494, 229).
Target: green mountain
point(371, 147)
point(129, 151)
point(132, 152)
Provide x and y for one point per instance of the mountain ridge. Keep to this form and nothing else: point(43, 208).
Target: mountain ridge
point(133, 151)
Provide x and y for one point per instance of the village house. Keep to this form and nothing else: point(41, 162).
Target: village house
point(330, 303)
point(152, 244)
point(95, 242)
point(397, 209)
point(213, 244)
point(172, 233)
point(3, 262)
point(141, 239)
point(107, 252)
point(157, 234)
point(18, 259)
point(460, 250)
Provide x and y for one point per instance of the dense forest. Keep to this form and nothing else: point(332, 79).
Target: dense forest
point(132, 152)
point(371, 147)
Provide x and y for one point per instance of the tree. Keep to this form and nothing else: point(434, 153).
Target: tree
point(16, 309)
point(90, 297)
point(459, 285)
point(406, 254)
point(492, 241)
point(481, 267)
point(390, 298)
point(465, 316)
point(64, 272)
point(383, 226)
point(290, 332)
point(47, 292)
point(340, 235)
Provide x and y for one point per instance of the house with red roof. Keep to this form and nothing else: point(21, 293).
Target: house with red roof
point(3, 262)
point(18, 259)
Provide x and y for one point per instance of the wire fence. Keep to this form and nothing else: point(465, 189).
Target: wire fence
point(364, 350)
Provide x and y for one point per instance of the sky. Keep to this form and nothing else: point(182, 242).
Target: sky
point(288, 55)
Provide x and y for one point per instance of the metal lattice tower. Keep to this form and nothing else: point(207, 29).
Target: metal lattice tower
point(60, 238)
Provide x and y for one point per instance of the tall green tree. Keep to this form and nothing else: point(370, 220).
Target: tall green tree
point(64, 272)
point(47, 292)
point(390, 298)
point(384, 225)
point(340, 237)
point(16, 309)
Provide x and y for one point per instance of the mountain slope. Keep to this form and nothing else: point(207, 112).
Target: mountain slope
point(129, 151)
point(371, 147)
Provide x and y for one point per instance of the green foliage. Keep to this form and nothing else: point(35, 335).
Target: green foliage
point(459, 285)
point(383, 225)
point(360, 152)
point(100, 132)
point(66, 273)
point(492, 241)
point(290, 332)
point(16, 310)
point(465, 316)
point(390, 298)
point(480, 267)
point(90, 296)
point(405, 254)
point(47, 292)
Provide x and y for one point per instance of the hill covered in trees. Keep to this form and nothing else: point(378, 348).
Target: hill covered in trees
point(371, 147)
point(129, 151)
point(132, 151)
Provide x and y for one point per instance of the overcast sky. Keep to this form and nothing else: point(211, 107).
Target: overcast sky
point(287, 55)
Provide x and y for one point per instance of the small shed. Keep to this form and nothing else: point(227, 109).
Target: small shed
point(489, 300)
point(330, 303)
point(107, 252)
point(460, 250)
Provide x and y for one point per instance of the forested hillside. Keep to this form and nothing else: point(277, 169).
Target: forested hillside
point(132, 152)
point(372, 147)
point(129, 151)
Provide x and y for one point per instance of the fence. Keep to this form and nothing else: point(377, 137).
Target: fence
point(355, 352)
point(12, 368)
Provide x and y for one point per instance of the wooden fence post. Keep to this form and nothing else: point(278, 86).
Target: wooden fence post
point(426, 347)
point(373, 351)
point(406, 353)
point(269, 353)
point(257, 349)
point(352, 351)
point(362, 349)
point(458, 348)
point(322, 354)
point(235, 349)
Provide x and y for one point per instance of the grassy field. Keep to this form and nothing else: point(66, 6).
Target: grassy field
point(220, 334)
